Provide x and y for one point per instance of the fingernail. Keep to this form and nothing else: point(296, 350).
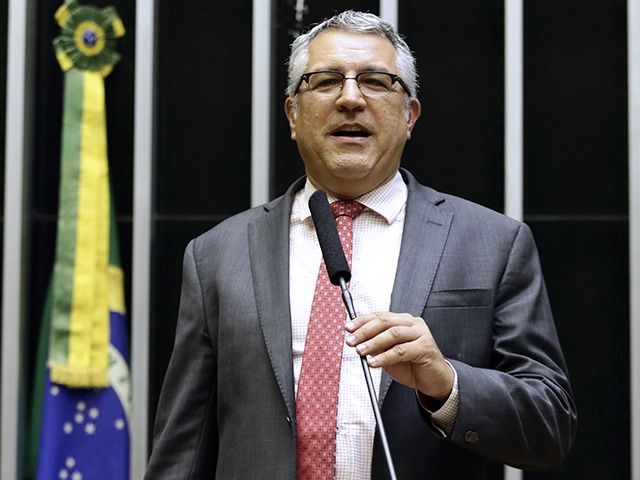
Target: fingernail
point(350, 325)
point(361, 349)
point(350, 339)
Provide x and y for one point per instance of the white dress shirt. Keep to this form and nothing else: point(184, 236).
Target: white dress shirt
point(377, 234)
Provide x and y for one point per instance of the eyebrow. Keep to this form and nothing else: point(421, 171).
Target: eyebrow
point(340, 70)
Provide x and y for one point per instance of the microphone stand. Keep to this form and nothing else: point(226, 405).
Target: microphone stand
point(348, 302)
point(338, 270)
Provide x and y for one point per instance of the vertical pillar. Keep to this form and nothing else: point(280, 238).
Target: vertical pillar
point(389, 11)
point(16, 138)
point(513, 120)
point(142, 211)
point(261, 95)
point(633, 32)
point(513, 102)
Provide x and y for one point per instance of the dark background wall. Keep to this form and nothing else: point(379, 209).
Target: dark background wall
point(203, 164)
point(575, 200)
point(575, 136)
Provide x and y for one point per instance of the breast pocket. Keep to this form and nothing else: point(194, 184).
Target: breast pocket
point(472, 297)
point(461, 322)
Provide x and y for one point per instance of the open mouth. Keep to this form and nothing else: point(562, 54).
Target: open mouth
point(351, 132)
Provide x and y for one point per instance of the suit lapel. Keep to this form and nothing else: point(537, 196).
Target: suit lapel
point(269, 257)
point(425, 233)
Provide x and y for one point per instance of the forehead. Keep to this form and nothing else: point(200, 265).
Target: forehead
point(335, 49)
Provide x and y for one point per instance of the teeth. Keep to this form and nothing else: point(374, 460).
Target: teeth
point(352, 129)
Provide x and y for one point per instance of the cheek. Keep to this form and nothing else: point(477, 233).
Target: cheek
point(311, 126)
point(313, 119)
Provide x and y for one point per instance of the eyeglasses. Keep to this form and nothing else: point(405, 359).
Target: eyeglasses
point(330, 83)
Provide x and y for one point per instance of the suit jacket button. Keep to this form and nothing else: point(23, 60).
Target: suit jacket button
point(471, 437)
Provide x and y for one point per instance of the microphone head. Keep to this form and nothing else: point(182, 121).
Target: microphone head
point(332, 251)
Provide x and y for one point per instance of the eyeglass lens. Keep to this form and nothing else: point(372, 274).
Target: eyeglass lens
point(370, 83)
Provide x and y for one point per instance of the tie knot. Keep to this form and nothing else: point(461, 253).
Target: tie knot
point(350, 208)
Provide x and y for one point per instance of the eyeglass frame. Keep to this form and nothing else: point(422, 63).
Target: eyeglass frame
point(394, 78)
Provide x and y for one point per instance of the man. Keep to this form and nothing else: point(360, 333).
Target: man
point(455, 322)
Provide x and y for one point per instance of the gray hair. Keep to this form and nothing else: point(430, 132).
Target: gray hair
point(354, 22)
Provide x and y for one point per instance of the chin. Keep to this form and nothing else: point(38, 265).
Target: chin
point(353, 169)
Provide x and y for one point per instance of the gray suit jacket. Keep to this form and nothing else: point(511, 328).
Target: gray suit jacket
point(227, 408)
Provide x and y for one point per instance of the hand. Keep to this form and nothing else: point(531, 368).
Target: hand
point(404, 347)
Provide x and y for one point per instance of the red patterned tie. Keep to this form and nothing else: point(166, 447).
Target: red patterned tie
point(319, 382)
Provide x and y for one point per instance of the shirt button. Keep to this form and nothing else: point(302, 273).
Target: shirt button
point(471, 436)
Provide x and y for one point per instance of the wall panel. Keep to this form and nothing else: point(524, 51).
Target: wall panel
point(202, 146)
point(458, 144)
point(204, 107)
point(575, 116)
point(585, 263)
point(576, 199)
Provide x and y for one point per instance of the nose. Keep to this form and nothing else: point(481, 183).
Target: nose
point(350, 96)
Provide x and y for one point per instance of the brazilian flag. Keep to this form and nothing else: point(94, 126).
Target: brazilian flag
point(81, 404)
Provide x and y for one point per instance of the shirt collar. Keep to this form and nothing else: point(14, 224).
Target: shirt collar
point(387, 200)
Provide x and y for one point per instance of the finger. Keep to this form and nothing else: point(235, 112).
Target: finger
point(384, 330)
point(386, 339)
point(359, 321)
point(398, 344)
point(408, 353)
point(365, 328)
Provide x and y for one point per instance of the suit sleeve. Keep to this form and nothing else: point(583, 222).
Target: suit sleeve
point(519, 411)
point(185, 433)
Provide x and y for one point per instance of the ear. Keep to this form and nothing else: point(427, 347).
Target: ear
point(289, 112)
point(414, 113)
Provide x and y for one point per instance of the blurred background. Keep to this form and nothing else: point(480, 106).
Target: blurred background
point(197, 132)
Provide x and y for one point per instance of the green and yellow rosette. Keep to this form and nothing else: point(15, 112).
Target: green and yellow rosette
point(79, 339)
point(88, 37)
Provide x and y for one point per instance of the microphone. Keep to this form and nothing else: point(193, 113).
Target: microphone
point(332, 251)
point(328, 237)
point(340, 274)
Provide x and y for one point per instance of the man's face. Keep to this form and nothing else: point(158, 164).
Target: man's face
point(351, 144)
